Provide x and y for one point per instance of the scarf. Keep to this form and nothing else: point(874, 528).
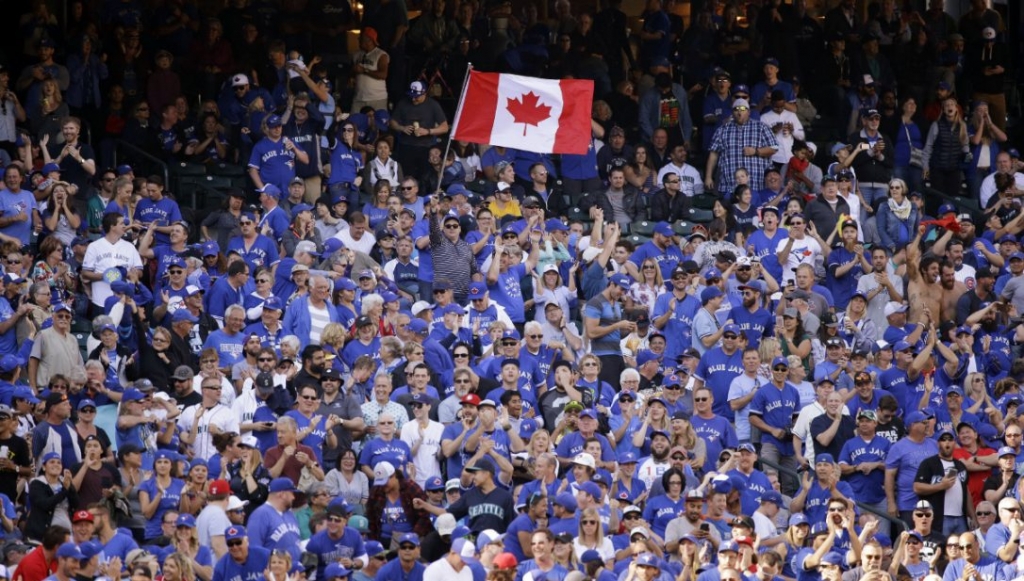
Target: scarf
point(902, 211)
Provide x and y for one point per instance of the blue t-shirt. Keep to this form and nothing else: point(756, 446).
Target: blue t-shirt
point(508, 292)
point(718, 434)
point(776, 407)
point(262, 252)
point(868, 487)
point(164, 212)
point(348, 546)
point(667, 259)
point(275, 530)
point(230, 348)
point(906, 456)
point(169, 500)
point(717, 369)
point(12, 204)
point(252, 569)
point(660, 511)
point(396, 452)
point(678, 330)
point(276, 165)
point(757, 483)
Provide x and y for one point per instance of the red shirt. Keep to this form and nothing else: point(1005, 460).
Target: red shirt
point(34, 566)
point(975, 480)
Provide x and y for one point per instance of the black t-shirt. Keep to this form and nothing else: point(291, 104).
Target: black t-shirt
point(102, 436)
point(994, 481)
point(189, 400)
point(494, 510)
point(71, 171)
point(17, 451)
point(428, 114)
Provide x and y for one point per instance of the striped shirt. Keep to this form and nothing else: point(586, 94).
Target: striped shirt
point(453, 261)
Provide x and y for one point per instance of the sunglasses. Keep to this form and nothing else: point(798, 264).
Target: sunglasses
point(234, 544)
point(923, 514)
point(984, 513)
point(407, 547)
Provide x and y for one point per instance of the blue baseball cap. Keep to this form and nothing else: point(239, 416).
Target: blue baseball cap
point(773, 497)
point(434, 482)
point(210, 248)
point(915, 417)
point(511, 334)
point(273, 121)
point(235, 532)
point(780, 360)
point(9, 363)
point(332, 245)
point(186, 520)
point(946, 209)
point(728, 546)
point(69, 551)
point(555, 225)
point(833, 558)
point(335, 570)
point(86, 403)
point(824, 457)
point(566, 500)
point(183, 314)
point(621, 280)
point(731, 328)
point(708, 294)
point(664, 228)
point(418, 326)
point(798, 519)
point(819, 528)
point(282, 484)
point(453, 309)
point(270, 190)
point(627, 457)
point(1006, 451)
point(477, 290)
point(650, 560)
point(645, 356)
point(25, 392)
point(954, 390)
point(409, 538)
point(592, 489)
point(132, 394)
point(50, 456)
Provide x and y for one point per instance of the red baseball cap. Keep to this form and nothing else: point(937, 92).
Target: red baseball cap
point(81, 515)
point(220, 487)
point(471, 399)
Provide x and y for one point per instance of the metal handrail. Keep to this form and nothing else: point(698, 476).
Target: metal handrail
point(148, 156)
point(895, 523)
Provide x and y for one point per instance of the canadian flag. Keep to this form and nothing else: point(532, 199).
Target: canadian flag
point(538, 115)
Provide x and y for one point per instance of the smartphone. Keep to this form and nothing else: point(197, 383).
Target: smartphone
point(705, 527)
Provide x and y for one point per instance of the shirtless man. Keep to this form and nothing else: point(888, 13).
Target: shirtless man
point(952, 290)
point(924, 291)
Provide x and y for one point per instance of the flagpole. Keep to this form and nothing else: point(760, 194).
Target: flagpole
point(455, 124)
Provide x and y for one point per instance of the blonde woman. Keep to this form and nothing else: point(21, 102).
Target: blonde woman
point(647, 288)
point(591, 535)
point(768, 349)
point(178, 567)
point(186, 544)
point(683, 434)
point(332, 340)
point(279, 567)
point(946, 149)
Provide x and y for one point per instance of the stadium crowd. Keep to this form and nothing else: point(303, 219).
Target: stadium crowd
point(727, 343)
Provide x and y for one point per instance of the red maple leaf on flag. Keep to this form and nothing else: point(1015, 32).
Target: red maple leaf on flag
point(528, 111)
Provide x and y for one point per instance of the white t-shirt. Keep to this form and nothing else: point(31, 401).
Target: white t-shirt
point(212, 522)
point(425, 459)
point(442, 570)
point(219, 415)
point(804, 251)
point(100, 256)
point(764, 527)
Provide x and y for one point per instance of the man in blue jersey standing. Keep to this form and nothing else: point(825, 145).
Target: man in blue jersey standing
point(243, 562)
point(407, 567)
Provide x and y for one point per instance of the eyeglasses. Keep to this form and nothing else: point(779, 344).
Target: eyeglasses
point(873, 557)
point(348, 130)
point(263, 280)
point(678, 457)
point(451, 226)
point(649, 267)
point(675, 482)
point(234, 544)
point(729, 336)
point(671, 181)
point(266, 359)
point(589, 522)
point(407, 547)
point(984, 513)
point(463, 380)
point(460, 355)
point(245, 222)
point(952, 546)
point(796, 223)
point(407, 188)
point(310, 397)
point(212, 387)
point(537, 336)
point(175, 271)
point(923, 514)
point(673, 388)
point(966, 547)
point(741, 108)
point(1012, 509)
point(205, 361)
point(335, 519)
point(1012, 435)
point(589, 364)
point(87, 411)
point(700, 399)
point(418, 405)
point(385, 423)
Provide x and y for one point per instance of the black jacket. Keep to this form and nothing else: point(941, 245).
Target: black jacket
point(931, 472)
point(43, 501)
point(669, 209)
point(630, 203)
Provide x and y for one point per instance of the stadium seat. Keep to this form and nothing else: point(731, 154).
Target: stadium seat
point(704, 201)
point(700, 216)
point(683, 228)
point(643, 228)
point(578, 215)
point(637, 240)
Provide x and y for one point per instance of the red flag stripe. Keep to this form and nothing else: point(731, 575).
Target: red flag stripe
point(478, 108)
point(574, 123)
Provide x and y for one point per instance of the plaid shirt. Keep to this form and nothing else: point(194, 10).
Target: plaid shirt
point(729, 141)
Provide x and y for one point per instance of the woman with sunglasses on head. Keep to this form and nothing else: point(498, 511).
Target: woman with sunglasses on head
point(178, 567)
point(346, 163)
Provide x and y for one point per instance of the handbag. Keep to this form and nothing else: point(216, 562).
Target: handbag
point(916, 153)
